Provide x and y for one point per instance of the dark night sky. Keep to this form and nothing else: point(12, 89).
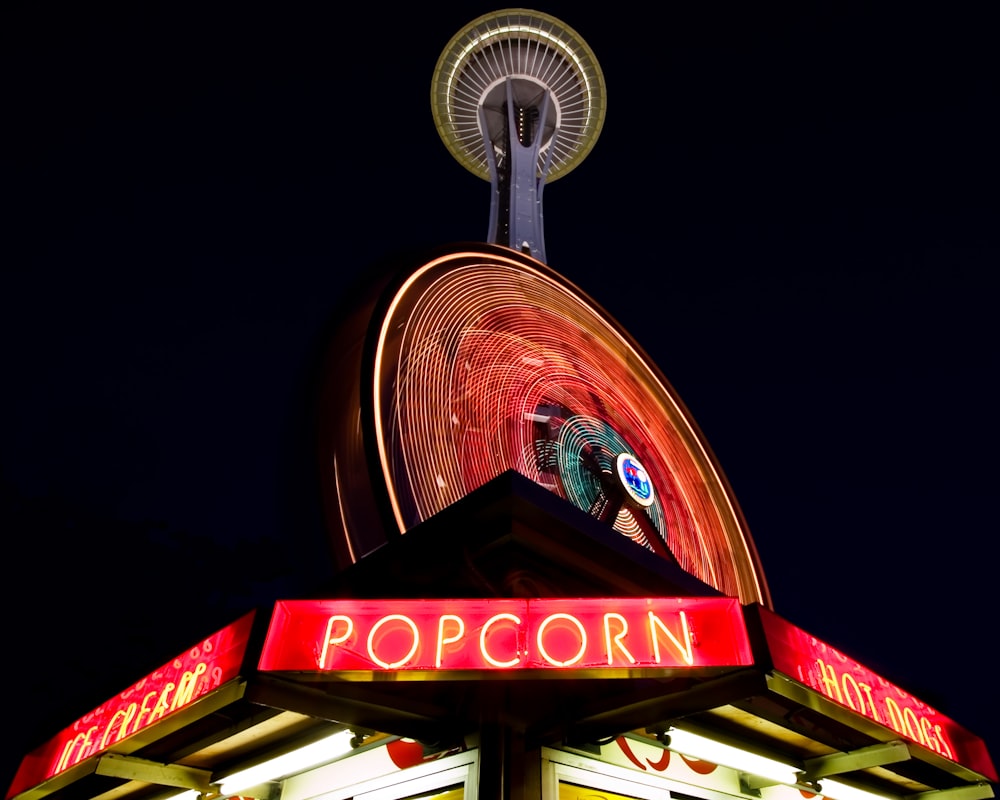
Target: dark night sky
point(812, 192)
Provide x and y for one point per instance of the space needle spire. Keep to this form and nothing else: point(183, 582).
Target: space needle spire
point(518, 98)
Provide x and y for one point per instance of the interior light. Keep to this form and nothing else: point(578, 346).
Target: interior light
point(836, 790)
point(705, 749)
point(311, 755)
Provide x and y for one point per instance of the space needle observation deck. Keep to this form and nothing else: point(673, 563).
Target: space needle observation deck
point(519, 100)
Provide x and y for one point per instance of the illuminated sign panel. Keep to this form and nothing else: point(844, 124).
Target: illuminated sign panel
point(417, 638)
point(819, 666)
point(176, 685)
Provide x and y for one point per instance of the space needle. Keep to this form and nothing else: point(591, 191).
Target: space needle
point(519, 100)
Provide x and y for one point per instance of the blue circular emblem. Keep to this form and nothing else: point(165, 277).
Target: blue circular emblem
point(635, 480)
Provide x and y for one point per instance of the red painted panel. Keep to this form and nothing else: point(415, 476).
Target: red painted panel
point(176, 685)
point(498, 635)
point(819, 666)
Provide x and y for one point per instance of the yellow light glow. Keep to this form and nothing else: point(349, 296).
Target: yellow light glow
point(836, 790)
point(275, 769)
point(705, 749)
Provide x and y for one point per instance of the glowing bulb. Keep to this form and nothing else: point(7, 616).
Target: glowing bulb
point(836, 790)
point(704, 749)
point(311, 755)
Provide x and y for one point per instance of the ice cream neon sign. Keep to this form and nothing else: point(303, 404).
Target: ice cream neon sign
point(177, 685)
point(423, 637)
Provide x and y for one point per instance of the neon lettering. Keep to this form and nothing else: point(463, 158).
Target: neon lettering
point(858, 696)
point(442, 640)
point(331, 639)
point(913, 727)
point(141, 705)
point(862, 697)
point(163, 703)
point(375, 629)
point(145, 710)
point(828, 676)
point(582, 639)
point(505, 634)
point(616, 643)
point(482, 640)
point(867, 689)
point(941, 743)
point(683, 644)
point(189, 681)
point(127, 719)
point(117, 723)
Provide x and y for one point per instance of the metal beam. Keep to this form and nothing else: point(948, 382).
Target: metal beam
point(877, 755)
point(139, 769)
point(978, 791)
point(611, 716)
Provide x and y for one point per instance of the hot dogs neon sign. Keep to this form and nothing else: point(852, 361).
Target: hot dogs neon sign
point(418, 638)
point(841, 679)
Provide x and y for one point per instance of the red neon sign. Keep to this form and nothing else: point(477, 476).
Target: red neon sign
point(501, 635)
point(176, 685)
point(819, 666)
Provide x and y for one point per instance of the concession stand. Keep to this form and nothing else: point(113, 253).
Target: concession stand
point(541, 584)
point(645, 686)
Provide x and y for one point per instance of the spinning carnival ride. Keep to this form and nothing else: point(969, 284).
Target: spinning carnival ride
point(474, 360)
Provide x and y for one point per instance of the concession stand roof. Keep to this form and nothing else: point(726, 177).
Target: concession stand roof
point(511, 529)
